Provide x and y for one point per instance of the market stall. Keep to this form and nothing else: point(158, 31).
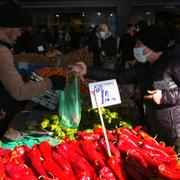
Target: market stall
point(39, 146)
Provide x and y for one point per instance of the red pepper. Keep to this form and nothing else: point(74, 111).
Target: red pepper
point(99, 131)
point(82, 177)
point(125, 143)
point(74, 144)
point(157, 153)
point(113, 148)
point(2, 171)
point(128, 147)
point(150, 161)
point(89, 149)
point(137, 128)
point(144, 136)
point(63, 163)
point(133, 153)
point(60, 150)
point(67, 139)
point(46, 150)
point(168, 149)
point(100, 149)
point(79, 164)
point(174, 164)
point(35, 157)
point(19, 171)
point(1, 151)
point(6, 154)
point(20, 154)
point(169, 173)
point(130, 134)
point(152, 142)
point(106, 173)
point(54, 169)
point(88, 136)
point(117, 167)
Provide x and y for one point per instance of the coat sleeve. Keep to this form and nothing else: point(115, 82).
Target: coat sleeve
point(13, 81)
point(172, 96)
point(127, 76)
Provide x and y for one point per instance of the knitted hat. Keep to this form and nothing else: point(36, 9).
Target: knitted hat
point(155, 38)
point(12, 15)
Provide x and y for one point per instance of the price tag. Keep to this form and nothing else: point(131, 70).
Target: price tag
point(107, 93)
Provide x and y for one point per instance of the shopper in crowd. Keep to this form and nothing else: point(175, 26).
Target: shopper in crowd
point(107, 46)
point(103, 46)
point(136, 96)
point(34, 40)
point(92, 42)
point(126, 45)
point(12, 86)
point(158, 76)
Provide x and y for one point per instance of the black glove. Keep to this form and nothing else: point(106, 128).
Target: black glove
point(58, 82)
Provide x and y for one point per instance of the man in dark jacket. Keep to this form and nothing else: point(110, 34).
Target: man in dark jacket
point(158, 76)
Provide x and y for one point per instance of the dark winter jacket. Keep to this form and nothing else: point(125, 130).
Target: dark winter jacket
point(127, 43)
point(167, 67)
point(108, 46)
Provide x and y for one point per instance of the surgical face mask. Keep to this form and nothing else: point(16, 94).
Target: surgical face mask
point(138, 54)
point(102, 34)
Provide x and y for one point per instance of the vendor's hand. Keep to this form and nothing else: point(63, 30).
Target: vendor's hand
point(155, 95)
point(79, 68)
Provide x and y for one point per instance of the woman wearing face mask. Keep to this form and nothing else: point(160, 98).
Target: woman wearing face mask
point(158, 76)
point(104, 48)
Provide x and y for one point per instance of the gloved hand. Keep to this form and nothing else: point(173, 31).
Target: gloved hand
point(58, 82)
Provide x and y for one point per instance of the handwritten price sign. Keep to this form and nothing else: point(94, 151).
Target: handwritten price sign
point(106, 93)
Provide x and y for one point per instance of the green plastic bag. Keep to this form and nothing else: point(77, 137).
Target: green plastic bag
point(69, 104)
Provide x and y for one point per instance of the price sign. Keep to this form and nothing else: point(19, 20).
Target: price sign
point(106, 92)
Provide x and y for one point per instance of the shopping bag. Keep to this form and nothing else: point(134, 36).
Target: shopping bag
point(69, 104)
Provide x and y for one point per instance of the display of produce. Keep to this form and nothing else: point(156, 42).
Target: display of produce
point(52, 124)
point(89, 121)
point(82, 153)
point(135, 155)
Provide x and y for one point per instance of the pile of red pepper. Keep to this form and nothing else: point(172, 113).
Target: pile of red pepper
point(135, 155)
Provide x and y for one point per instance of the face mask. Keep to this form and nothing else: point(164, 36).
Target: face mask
point(102, 34)
point(138, 54)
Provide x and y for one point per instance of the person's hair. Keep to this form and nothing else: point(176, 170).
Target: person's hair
point(103, 27)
